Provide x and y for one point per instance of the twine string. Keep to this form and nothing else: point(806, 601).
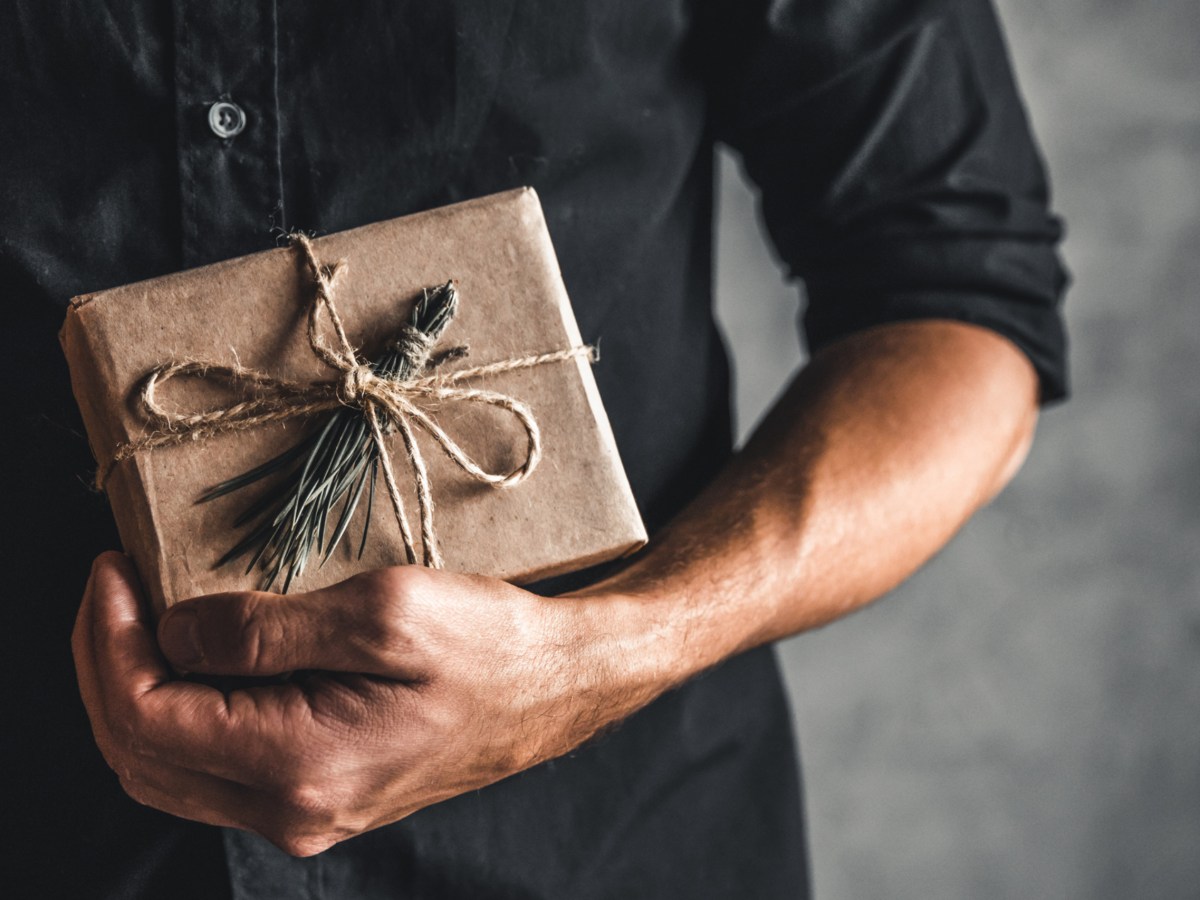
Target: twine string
point(387, 404)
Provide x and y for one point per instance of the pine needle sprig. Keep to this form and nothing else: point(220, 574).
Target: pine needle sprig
point(336, 464)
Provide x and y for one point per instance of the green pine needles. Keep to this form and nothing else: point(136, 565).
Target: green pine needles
point(335, 465)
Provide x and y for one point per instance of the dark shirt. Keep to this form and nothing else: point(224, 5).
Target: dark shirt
point(898, 179)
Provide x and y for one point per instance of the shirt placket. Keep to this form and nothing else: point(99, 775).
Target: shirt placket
point(227, 127)
point(231, 203)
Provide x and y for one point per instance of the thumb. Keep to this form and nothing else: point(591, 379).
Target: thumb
point(257, 633)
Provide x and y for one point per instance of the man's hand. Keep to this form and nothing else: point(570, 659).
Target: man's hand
point(429, 685)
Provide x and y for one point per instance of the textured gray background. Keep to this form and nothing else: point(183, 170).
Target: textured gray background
point(1022, 719)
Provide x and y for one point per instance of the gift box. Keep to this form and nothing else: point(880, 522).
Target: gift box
point(492, 452)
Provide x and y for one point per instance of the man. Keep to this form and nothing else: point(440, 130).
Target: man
point(460, 737)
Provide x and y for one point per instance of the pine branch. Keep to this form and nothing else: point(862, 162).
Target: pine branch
point(336, 464)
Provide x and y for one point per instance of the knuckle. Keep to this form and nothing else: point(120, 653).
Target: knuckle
point(382, 612)
point(134, 788)
point(121, 764)
point(300, 844)
point(126, 734)
point(305, 804)
point(305, 820)
point(261, 633)
point(398, 583)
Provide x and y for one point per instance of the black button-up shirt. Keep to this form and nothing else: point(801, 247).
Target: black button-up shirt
point(899, 180)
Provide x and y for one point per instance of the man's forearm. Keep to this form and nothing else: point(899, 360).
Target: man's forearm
point(879, 451)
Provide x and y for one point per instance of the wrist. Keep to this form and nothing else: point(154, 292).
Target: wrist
point(651, 634)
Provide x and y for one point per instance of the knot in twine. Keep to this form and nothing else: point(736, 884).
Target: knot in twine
point(357, 385)
point(387, 403)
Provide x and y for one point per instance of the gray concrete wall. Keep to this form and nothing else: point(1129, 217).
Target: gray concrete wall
point(1022, 719)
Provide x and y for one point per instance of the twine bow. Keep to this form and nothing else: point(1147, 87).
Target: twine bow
point(387, 404)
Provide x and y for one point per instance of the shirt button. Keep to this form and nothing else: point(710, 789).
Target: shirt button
point(226, 119)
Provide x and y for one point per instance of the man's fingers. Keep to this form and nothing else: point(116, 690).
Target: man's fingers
point(294, 824)
point(142, 717)
point(354, 626)
point(111, 642)
point(197, 796)
point(127, 660)
point(256, 736)
point(196, 725)
point(256, 758)
point(202, 808)
point(83, 650)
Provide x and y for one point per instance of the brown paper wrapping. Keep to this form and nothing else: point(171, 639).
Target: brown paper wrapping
point(576, 509)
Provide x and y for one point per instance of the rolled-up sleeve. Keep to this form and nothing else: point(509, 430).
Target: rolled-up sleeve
point(899, 177)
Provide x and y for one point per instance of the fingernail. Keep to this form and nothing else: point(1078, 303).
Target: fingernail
point(179, 638)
